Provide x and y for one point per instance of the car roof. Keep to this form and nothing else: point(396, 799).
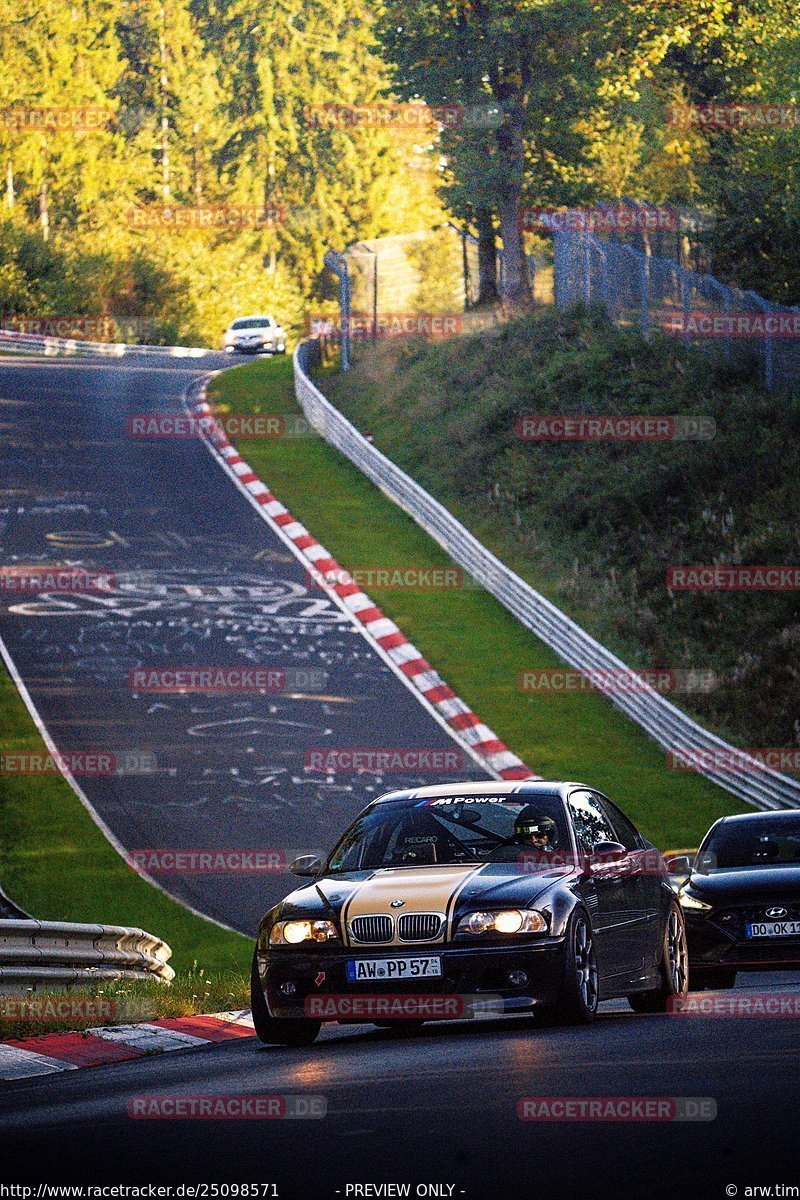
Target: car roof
point(252, 317)
point(745, 818)
point(489, 787)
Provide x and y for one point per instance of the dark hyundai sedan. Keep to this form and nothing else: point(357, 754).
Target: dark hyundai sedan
point(741, 900)
point(444, 901)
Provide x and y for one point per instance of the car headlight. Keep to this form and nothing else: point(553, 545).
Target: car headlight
point(508, 921)
point(686, 900)
point(294, 933)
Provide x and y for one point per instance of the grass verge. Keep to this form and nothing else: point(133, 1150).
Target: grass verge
point(121, 1003)
point(56, 863)
point(478, 647)
point(595, 524)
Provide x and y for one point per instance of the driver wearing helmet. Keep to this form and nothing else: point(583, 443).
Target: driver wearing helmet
point(534, 835)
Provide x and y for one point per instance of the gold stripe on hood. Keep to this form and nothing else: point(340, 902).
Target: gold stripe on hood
point(422, 889)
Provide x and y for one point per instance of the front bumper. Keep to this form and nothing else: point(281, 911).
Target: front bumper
point(717, 941)
point(253, 347)
point(470, 973)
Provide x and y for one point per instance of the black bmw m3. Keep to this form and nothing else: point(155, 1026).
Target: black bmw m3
point(741, 900)
point(458, 900)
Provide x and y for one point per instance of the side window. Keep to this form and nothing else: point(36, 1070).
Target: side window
point(626, 833)
point(591, 823)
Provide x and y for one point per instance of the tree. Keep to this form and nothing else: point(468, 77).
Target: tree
point(495, 54)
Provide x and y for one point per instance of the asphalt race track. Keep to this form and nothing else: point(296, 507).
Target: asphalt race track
point(199, 580)
point(437, 1107)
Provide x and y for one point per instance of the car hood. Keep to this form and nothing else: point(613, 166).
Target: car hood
point(448, 890)
point(749, 884)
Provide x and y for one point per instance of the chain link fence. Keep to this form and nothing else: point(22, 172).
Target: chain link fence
point(426, 274)
point(639, 288)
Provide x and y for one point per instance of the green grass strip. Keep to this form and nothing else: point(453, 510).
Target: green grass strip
point(57, 864)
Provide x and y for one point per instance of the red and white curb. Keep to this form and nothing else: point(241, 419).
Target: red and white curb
point(53, 1052)
point(476, 737)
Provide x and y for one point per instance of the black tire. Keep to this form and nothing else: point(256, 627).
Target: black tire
point(580, 987)
point(276, 1031)
point(716, 981)
point(673, 969)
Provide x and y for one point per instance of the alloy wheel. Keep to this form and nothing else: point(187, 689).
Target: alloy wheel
point(676, 953)
point(586, 966)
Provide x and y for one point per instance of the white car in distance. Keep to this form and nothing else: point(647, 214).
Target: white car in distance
point(254, 335)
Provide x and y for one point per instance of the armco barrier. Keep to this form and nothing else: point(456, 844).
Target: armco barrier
point(34, 343)
point(56, 953)
point(671, 728)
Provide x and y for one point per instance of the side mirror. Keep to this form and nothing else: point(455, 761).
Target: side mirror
point(608, 852)
point(678, 864)
point(306, 865)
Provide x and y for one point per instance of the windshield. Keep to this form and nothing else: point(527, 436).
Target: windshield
point(252, 323)
point(751, 844)
point(455, 829)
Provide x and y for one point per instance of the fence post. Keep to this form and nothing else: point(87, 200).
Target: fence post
point(686, 298)
point(338, 264)
point(769, 348)
point(587, 269)
point(620, 266)
point(374, 254)
point(604, 278)
point(465, 268)
point(726, 308)
point(645, 279)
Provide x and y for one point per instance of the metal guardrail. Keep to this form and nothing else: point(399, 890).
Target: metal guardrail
point(666, 724)
point(35, 343)
point(58, 953)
